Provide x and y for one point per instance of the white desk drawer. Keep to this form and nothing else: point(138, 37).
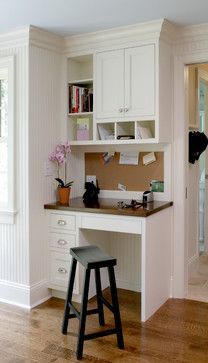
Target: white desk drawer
point(63, 221)
point(62, 240)
point(114, 224)
point(60, 264)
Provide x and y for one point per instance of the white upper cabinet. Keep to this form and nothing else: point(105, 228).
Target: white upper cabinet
point(132, 85)
point(110, 84)
point(125, 83)
point(139, 81)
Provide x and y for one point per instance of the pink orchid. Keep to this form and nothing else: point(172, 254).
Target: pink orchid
point(60, 156)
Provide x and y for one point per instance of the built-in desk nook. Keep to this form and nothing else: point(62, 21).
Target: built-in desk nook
point(139, 238)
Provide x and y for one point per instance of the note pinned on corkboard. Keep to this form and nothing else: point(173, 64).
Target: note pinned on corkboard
point(134, 177)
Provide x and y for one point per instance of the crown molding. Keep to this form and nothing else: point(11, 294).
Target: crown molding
point(193, 32)
point(44, 39)
point(143, 32)
point(168, 31)
point(191, 39)
point(14, 38)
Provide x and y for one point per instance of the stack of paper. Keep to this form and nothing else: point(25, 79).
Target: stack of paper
point(144, 132)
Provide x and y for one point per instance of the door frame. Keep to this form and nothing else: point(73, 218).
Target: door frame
point(203, 75)
point(180, 172)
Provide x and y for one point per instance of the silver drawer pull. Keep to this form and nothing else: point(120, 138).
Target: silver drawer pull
point(61, 222)
point(62, 242)
point(62, 270)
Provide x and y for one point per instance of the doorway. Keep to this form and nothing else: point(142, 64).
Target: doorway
point(197, 110)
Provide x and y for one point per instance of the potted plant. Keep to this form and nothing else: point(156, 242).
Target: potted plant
point(60, 156)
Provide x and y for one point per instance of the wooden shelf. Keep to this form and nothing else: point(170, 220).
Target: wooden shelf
point(81, 81)
point(113, 142)
point(73, 114)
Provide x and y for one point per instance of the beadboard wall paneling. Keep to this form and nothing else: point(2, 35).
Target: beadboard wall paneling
point(44, 133)
point(127, 250)
point(14, 263)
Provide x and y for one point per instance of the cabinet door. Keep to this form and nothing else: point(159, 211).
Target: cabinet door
point(110, 84)
point(140, 81)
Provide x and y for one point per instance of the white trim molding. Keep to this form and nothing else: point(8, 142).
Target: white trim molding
point(24, 295)
point(7, 216)
point(18, 36)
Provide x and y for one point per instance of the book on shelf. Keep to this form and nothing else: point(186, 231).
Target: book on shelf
point(83, 127)
point(80, 99)
point(144, 132)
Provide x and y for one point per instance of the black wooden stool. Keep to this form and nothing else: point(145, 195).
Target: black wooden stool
point(91, 257)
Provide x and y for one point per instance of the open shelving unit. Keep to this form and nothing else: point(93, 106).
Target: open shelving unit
point(80, 82)
point(80, 75)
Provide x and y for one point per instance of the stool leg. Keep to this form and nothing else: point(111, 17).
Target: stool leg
point(83, 314)
point(69, 296)
point(99, 293)
point(115, 304)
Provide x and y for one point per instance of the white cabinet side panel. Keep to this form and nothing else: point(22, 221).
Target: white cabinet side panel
point(156, 261)
point(164, 93)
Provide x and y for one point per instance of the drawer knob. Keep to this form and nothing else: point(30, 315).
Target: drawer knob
point(62, 270)
point(61, 222)
point(62, 242)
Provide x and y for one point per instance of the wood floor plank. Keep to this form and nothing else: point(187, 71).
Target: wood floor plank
point(178, 332)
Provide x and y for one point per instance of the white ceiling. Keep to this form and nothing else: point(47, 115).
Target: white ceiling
point(67, 17)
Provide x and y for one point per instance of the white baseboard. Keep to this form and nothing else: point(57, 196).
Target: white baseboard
point(77, 297)
point(128, 285)
point(24, 296)
point(39, 293)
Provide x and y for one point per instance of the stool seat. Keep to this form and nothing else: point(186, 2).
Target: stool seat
point(92, 257)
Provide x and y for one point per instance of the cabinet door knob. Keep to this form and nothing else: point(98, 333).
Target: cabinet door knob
point(62, 270)
point(126, 109)
point(62, 242)
point(120, 109)
point(61, 222)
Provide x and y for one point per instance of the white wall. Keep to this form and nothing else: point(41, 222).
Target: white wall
point(23, 254)
point(14, 263)
point(44, 133)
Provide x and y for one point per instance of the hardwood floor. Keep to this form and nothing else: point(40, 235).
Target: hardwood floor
point(178, 332)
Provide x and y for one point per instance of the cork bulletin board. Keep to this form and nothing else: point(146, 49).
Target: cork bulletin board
point(134, 177)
